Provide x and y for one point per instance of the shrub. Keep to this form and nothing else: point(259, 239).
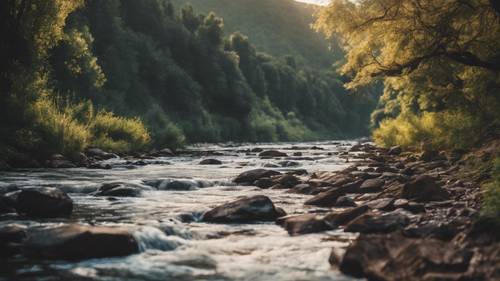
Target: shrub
point(118, 134)
point(449, 129)
point(54, 129)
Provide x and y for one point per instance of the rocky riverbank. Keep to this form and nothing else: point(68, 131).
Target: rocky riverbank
point(408, 216)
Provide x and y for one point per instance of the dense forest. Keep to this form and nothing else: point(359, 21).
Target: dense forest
point(129, 75)
point(275, 27)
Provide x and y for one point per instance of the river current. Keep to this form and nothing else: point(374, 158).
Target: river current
point(174, 245)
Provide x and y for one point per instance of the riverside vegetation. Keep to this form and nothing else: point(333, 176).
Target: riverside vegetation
point(128, 75)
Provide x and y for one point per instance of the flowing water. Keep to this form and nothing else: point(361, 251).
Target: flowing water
point(174, 245)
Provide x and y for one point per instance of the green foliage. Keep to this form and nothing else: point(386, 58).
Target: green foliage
point(491, 197)
point(443, 130)
point(277, 27)
point(118, 134)
point(441, 83)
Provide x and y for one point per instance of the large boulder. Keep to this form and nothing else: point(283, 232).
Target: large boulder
point(329, 197)
point(346, 216)
point(210, 162)
point(120, 189)
point(395, 257)
point(424, 189)
point(371, 186)
point(272, 153)
point(77, 241)
point(247, 209)
point(249, 177)
point(375, 223)
point(303, 224)
point(44, 202)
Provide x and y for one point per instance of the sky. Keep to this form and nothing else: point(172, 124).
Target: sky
point(319, 2)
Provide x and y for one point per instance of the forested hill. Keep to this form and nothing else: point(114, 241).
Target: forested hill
point(278, 27)
point(127, 75)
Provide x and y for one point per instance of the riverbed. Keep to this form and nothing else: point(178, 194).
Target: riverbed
point(174, 244)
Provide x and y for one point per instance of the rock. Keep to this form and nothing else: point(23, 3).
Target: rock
point(10, 238)
point(166, 152)
point(271, 165)
point(249, 177)
point(74, 241)
point(264, 183)
point(329, 197)
point(247, 209)
point(344, 217)
point(256, 150)
point(298, 153)
point(179, 185)
point(431, 155)
point(100, 166)
point(373, 223)
point(371, 186)
point(99, 154)
point(287, 164)
point(395, 257)
point(441, 231)
point(305, 188)
point(383, 204)
point(120, 189)
point(288, 181)
point(409, 206)
point(395, 150)
point(424, 189)
point(44, 202)
point(210, 162)
point(6, 206)
point(272, 153)
point(345, 201)
point(303, 224)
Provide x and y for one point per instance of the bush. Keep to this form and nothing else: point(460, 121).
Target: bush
point(118, 134)
point(449, 129)
point(55, 130)
point(491, 205)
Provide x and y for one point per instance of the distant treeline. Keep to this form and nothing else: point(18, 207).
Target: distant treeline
point(72, 67)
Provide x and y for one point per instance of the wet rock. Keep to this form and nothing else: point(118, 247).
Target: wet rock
point(272, 153)
point(99, 154)
point(119, 189)
point(210, 162)
point(303, 224)
point(44, 202)
point(256, 150)
point(344, 217)
point(10, 238)
point(365, 175)
point(329, 197)
point(180, 185)
point(371, 186)
point(249, 177)
point(288, 181)
point(424, 189)
point(76, 241)
point(383, 204)
point(271, 165)
point(264, 183)
point(248, 209)
point(287, 164)
point(100, 166)
point(375, 223)
point(395, 150)
point(298, 153)
point(395, 257)
point(166, 152)
point(305, 188)
point(58, 161)
point(345, 201)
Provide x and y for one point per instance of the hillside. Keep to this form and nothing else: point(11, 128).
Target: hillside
point(279, 27)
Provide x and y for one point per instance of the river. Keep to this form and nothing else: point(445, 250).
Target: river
point(174, 245)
